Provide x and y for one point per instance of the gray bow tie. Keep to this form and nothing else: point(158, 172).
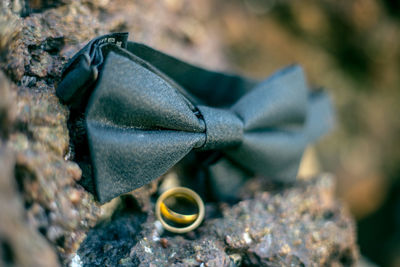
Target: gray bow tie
point(146, 111)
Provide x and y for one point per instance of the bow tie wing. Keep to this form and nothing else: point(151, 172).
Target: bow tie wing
point(130, 94)
point(279, 122)
point(138, 127)
point(278, 101)
point(124, 160)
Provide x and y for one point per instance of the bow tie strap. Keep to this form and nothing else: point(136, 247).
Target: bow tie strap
point(146, 111)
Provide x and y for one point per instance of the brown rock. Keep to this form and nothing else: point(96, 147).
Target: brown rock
point(21, 244)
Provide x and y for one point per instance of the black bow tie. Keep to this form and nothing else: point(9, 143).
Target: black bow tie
point(145, 111)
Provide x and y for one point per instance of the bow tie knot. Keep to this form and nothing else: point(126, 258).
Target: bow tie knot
point(223, 128)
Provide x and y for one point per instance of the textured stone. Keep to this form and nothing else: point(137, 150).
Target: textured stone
point(59, 208)
point(20, 243)
point(300, 225)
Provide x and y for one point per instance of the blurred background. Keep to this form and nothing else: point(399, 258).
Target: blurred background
point(352, 49)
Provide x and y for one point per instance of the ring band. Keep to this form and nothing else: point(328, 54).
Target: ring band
point(176, 217)
point(162, 211)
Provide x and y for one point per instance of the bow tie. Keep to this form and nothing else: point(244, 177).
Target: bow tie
point(144, 111)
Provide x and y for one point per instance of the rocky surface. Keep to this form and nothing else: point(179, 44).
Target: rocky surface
point(46, 214)
point(20, 242)
point(295, 226)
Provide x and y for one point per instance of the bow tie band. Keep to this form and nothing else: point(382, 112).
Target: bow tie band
point(143, 111)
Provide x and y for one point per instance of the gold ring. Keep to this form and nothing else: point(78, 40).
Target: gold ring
point(162, 211)
point(176, 217)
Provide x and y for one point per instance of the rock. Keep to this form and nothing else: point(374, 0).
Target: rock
point(110, 243)
point(10, 26)
point(69, 211)
point(20, 243)
point(59, 208)
point(7, 108)
point(300, 225)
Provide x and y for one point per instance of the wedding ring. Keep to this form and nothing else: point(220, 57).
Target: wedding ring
point(176, 217)
point(174, 221)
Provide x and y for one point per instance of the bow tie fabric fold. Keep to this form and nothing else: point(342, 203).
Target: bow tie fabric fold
point(145, 111)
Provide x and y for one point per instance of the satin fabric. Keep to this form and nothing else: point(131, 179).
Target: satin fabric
point(144, 111)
